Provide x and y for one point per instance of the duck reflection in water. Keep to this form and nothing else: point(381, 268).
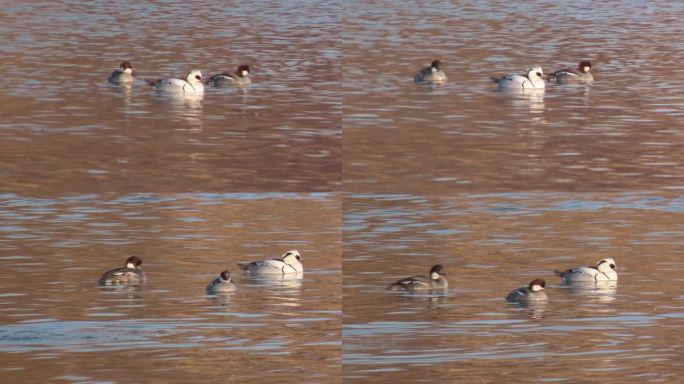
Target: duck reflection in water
point(123, 291)
point(599, 291)
point(221, 298)
point(533, 309)
point(292, 280)
point(532, 100)
point(432, 298)
point(186, 108)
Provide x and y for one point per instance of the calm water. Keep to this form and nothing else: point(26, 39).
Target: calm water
point(57, 325)
point(622, 133)
point(629, 332)
point(65, 129)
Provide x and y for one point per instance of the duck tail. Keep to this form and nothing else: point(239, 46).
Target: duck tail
point(393, 286)
point(151, 82)
point(559, 273)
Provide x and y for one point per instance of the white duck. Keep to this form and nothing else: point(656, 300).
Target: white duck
point(603, 271)
point(534, 79)
point(192, 85)
point(288, 263)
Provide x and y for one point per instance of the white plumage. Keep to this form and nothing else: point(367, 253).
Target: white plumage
point(603, 271)
point(533, 79)
point(289, 262)
point(192, 85)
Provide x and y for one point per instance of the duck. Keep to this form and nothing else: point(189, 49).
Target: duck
point(239, 77)
point(434, 280)
point(431, 74)
point(571, 75)
point(122, 75)
point(192, 85)
point(533, 292)
point(221, 284)
point(288, 263)
point(533, 79)
point(130, 273)
point(603, 271)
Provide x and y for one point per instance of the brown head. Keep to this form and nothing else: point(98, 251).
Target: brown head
point(584, 66)
point(133, 262)
point(436, 271)
point(242, 70)
point(436, 64)
point(126, 67)
point(225, 275)
point(537, 285)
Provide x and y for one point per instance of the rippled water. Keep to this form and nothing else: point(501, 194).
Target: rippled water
point(57, 325)
point(622, 133)
point(499, 188)
point(627, 332)
point(65, 126)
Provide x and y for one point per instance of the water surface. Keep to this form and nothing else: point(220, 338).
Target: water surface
point(64, 129)
point(57, 325)
point(622, 133)
point(489, 244)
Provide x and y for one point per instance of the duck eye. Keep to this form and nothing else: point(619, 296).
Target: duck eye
point(539, 74)
point(198, 77)
point(298, 257)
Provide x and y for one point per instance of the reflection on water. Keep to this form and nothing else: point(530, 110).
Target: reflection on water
point(599, 291)
point(533, 309)
point(292, 280)
point(221, 298)
point(521, 98)
point(425, 294)
point(129, 287)
point(434, 87)
point(490, 244)
point(125, 90)
point(186, 108)
point(620, 133)
point(53, 313)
